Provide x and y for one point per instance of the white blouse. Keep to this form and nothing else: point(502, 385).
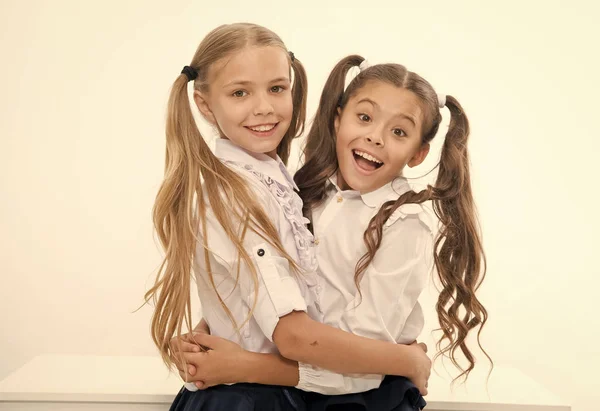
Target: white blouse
point(278, 291)
point(390, 286)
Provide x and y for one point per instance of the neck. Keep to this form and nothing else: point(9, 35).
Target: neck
point(272, 154)
point(341, 182)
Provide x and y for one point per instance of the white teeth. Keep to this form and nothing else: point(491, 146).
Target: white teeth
point(263, 128)
point(368, 156)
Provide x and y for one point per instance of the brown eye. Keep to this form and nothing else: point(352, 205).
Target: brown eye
point(364, 117)
point(276, 89)
point(399, 132)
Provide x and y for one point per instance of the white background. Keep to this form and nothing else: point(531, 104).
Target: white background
point(83, 90)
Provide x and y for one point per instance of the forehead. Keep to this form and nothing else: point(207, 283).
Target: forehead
point(391, 100)
point(253, 64)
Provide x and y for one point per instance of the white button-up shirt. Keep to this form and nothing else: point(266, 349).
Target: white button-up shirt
point(390, 286)
point(278, 291)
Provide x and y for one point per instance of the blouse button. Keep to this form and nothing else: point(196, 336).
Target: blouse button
point(316, 241)
point(260, 252)
point(340, 199)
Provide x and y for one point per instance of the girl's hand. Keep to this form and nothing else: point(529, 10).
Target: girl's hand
point(423, 346)
point(422, 366)
point(180, 345)
point(220, 364)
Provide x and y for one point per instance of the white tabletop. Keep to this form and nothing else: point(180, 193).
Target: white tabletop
point(137, 379)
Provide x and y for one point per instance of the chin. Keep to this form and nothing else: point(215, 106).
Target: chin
point(261, 146)
point(357, 182)
point(270, 146)
point(358, 185)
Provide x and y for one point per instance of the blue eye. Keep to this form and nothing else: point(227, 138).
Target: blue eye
point(239, 93)
point(364, 117)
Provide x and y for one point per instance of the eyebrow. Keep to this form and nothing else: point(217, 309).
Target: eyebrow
point(247, 82)
point(375, 105)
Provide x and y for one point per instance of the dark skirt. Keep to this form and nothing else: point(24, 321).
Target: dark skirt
point(394, 394)
point(240, 397)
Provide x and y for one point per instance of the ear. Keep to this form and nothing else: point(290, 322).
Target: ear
point(419, 156)
point(336, 120)
point(202, 104)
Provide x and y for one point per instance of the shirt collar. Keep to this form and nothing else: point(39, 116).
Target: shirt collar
point(272, 167)
point(389, 192)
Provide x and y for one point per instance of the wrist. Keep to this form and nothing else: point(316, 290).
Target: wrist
point(247, 362)
point(405, 361)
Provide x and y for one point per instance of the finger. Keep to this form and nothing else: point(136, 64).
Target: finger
point(189, 347)
point(183, 375)
point(176, 360)
point(207, 340)
point(182, 345)
point(422, 386)
point(178, 366)
point(176, 340)
point(200, 385)
point(193, 358)
point(423, 347)
point(188, 373)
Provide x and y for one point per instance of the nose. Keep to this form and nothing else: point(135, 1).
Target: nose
point(375, 138)
point(263, 105)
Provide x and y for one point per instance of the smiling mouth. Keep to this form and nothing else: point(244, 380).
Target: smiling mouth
point(365, 161)
point(262, 128)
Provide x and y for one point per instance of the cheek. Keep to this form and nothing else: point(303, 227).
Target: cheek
point(342, 136)
point(397, 157)
point(218, 111)
point(286, 106)
point(233, 112)
point(340, 140)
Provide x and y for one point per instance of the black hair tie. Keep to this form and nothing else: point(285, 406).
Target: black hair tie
point(190, 73)
point(292, 57)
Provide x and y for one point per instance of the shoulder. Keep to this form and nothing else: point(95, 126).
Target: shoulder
point(407, 239)
point(417, 215)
